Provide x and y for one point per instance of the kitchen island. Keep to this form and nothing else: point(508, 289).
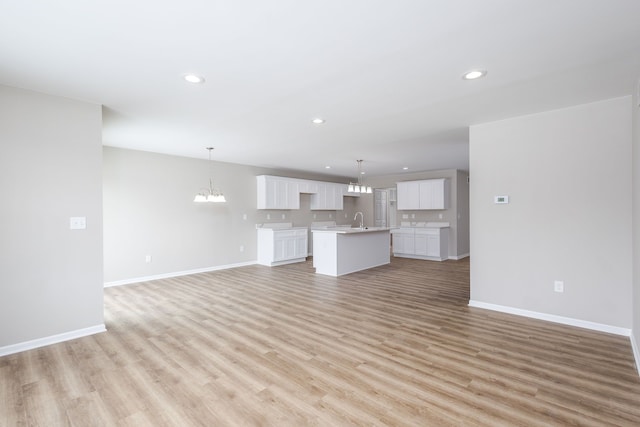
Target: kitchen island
point(341, 250)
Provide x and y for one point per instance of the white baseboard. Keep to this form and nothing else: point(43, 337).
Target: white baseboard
point(422, 257)
point(176, 274)
point(278, 263)
point(459, 257)
point(636, 352)
point(553, 318)
point(53, 339)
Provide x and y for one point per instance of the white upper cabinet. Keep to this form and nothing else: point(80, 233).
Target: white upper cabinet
point(306, 186)
point(408, 195)
point(434, 194)
point(424, 194)
point(276, 192)
point(328, 197)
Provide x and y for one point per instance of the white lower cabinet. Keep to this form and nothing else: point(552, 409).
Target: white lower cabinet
point(428, 243)
point(289, 244)
point(434, 248)
point(421, 243)
point(403, 241)
point(282, 246)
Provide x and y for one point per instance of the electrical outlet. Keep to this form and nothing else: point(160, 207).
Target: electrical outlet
point(244, 217)
point(558, 286)
point(77, 223)
point(268, 216)
point(241, 248)
point(148, 259)
point(284, 216)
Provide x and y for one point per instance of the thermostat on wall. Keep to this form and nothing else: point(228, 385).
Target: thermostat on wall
point(501, 199)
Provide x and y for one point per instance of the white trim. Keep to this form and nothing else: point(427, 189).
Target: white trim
point(53, 339)
point(176, 274)
point(430, 258)
point(553, 318)
point(284, 262)
point(636, 352)
point(422, 257)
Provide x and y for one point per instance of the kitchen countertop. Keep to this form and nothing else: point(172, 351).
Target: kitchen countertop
point(420, 225)
point(278, 226)
point(349, 230)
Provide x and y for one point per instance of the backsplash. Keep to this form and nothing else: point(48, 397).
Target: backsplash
point(417, 217)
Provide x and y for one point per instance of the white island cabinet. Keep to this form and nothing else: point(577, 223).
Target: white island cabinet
point(347, 250)
point(279, 245)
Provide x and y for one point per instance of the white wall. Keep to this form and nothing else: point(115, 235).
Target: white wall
point(149, 210)
point(50, 170)
point(462, 214)
point(568, 175)
point(636, 226)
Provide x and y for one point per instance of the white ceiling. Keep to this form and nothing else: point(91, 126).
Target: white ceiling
point(386, 75)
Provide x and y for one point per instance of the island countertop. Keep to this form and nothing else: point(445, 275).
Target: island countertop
point(349, 230)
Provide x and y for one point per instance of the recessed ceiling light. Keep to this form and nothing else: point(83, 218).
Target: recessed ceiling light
point(193, 78)
point(474, 74)
point(317, 121)
point(405, 168)
point(327, 167)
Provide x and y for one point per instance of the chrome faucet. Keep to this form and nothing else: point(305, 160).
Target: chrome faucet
point(361, 219)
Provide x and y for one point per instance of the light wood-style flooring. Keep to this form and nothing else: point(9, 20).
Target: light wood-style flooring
point(257, 346)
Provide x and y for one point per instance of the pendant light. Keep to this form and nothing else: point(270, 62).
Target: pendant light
point(210, 194)
point(359, 187)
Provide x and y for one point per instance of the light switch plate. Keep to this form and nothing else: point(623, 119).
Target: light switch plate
point(558, 286)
